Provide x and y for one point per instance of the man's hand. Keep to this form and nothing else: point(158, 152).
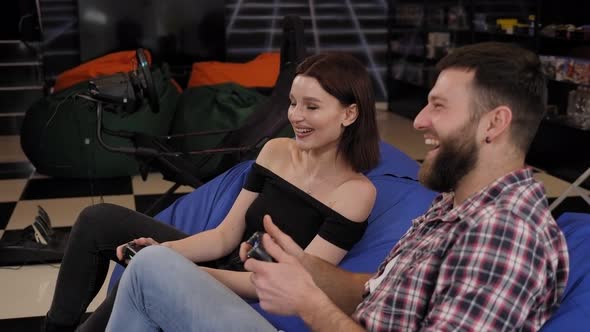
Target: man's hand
point(287, 287)
point(284, 287)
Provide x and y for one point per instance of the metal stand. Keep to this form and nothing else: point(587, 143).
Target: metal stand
point(574, 187)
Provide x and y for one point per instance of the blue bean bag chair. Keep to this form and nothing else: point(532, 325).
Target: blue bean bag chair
point(400, 198)
point(574, 313)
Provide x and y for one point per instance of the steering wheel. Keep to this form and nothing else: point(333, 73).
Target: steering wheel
point(146, 78)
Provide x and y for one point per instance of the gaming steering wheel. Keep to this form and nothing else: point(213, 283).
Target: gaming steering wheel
point(119, 93)
point(145, 77)
point(126, 91)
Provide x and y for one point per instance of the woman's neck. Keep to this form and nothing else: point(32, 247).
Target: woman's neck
point(322, 163)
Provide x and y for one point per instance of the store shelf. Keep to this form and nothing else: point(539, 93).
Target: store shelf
point(569, 83)
point(504, 34)
point(570, 122)
point(439, 10)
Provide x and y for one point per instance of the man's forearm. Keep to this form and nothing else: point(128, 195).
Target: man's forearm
point(322, 315)
point(345, 289)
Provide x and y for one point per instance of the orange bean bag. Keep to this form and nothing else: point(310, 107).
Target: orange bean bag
point(261, 72)
point(119, 62)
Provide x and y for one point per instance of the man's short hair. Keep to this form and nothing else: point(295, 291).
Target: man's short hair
point(505, 74)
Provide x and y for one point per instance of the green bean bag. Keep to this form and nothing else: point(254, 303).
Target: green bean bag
point(58, 134)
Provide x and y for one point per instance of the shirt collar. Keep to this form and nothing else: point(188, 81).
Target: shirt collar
point(442, 207)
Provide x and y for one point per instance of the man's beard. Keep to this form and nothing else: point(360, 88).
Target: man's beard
point(456, 157)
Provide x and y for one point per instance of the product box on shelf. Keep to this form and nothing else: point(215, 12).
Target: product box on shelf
point(575, 70)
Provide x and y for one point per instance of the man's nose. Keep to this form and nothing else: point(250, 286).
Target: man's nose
point(421, 120)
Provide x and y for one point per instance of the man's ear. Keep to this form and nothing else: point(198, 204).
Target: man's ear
point(497, 122)
point(351, 113)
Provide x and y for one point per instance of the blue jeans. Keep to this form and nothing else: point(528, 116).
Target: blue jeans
point(162, 290)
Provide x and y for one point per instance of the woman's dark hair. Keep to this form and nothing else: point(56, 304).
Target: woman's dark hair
point(345, 78)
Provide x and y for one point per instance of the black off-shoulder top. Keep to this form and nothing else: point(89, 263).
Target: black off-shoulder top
point(295, 212)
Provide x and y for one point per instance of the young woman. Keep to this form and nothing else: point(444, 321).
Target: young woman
point(312, 187)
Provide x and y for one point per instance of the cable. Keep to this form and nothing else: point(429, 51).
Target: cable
point(90, 156)
point(46, 126)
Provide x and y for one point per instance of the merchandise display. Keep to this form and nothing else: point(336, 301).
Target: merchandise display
point(574, 70)
point(422, 32)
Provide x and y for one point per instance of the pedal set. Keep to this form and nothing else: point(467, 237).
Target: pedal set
point(38, 243)
point(42, 226)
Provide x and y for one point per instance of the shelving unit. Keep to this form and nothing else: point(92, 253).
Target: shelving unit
point(415, 27)
point(421, 32)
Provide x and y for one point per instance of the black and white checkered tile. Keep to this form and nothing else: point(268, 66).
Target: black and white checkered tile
point(22, 191)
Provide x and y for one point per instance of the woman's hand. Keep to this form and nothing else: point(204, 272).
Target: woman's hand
point(142, 241)
point(282, 239)
point(244, 248)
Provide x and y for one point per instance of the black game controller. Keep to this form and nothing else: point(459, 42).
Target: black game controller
point(130, 249)
point(257, 251)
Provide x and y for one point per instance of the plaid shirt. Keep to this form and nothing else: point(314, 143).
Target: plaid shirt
point(497, 262)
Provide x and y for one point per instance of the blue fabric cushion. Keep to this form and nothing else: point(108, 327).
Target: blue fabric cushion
point(206, 207)
point(400, 198)
point(574, 312)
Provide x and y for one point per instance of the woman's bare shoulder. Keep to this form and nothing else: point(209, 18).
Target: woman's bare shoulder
point(355, 198)
point(276, 153)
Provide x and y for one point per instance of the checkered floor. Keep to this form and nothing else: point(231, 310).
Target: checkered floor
point(23, 190)
point(27, 290)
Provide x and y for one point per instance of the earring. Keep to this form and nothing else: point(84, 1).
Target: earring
point(488, 140)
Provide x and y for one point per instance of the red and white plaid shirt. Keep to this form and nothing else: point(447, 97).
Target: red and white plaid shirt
point(497, 262)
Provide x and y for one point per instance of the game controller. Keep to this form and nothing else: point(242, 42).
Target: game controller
point(130, 250)
point(257, 251)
